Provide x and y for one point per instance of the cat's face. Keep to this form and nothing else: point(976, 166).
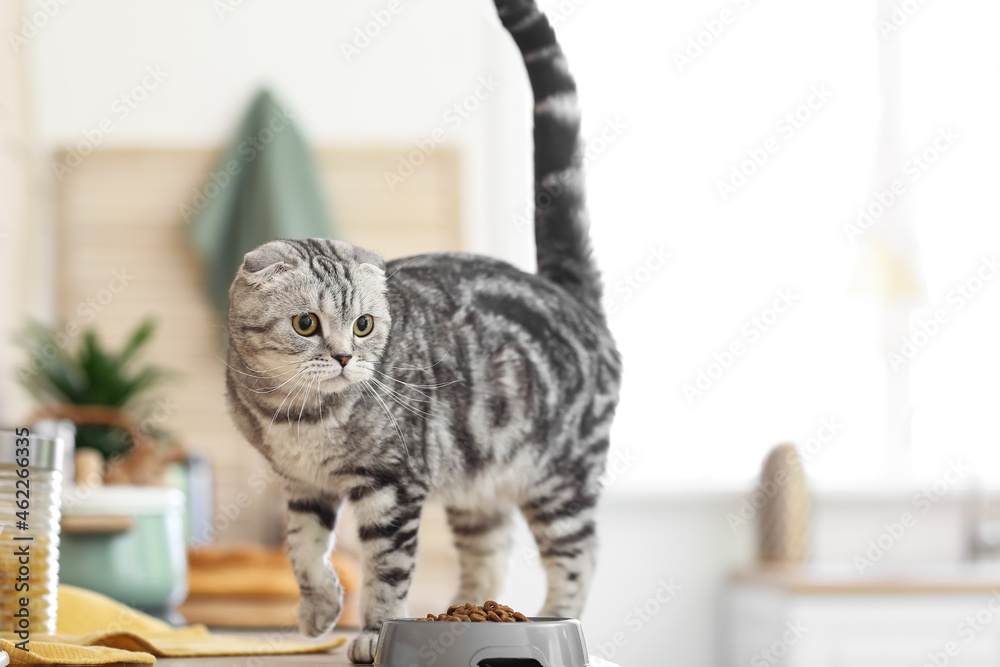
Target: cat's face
point(312, 312)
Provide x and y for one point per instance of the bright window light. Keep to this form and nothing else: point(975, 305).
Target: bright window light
point(749, 143)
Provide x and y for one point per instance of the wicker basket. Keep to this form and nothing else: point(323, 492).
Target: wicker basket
point(146, 462)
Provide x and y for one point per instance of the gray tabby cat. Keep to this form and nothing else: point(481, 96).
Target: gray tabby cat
point(446, 375)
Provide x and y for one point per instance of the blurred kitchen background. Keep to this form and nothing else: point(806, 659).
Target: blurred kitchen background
point(794, 206)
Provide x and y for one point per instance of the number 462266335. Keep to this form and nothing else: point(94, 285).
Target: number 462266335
point(22, 485)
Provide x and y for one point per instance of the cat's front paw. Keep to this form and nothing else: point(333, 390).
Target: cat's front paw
point(320, 609)
point(361, 651)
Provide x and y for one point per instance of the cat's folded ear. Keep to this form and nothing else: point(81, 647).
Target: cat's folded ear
point(362, 256)
point(266, 261)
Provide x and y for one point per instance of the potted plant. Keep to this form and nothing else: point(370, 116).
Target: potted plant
point(105, 394)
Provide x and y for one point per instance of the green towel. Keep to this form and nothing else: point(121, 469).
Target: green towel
point(264, 188)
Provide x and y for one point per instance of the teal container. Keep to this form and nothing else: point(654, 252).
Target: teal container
point(138, 556)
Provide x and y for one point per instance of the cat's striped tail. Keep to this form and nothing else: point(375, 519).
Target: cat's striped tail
point(562, 242)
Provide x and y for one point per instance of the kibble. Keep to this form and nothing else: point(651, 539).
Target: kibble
point(490, 611)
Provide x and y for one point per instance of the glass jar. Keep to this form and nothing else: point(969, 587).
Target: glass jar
point(30, 489)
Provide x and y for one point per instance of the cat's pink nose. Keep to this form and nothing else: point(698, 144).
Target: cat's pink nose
point(342, 358)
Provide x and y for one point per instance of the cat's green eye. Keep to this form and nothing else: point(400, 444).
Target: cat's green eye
point(364, 325)
point(305, 324)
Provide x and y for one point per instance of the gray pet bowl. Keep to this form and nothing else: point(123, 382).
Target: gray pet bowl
point(547, 642)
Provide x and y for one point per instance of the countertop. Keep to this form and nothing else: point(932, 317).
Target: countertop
point(333, 658)
point(945, 578)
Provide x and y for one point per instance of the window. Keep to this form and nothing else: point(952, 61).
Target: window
point(755, 298)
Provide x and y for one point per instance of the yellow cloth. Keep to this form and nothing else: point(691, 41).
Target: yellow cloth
point(94, 630)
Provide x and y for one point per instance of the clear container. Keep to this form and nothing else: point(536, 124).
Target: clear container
point(39, 585)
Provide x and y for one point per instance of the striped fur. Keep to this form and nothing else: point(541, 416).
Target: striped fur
point(562, 245)
point(488, 388)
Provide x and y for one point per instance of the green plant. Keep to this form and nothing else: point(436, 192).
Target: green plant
point(94, 376)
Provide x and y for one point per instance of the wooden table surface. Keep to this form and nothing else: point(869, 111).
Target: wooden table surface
point(333, 658)
point(832, 580)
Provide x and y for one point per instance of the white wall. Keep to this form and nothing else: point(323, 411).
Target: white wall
point(13, 195)
point(84, 56)
point(397, 89)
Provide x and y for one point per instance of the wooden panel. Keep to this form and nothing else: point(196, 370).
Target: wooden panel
point(124, 255)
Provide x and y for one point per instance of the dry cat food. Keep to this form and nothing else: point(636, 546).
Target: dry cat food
point(489, 611)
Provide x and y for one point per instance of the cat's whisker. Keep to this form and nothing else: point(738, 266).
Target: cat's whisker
point(388, 412)
point(257, 380)
point(258, 374)
point(276, 412)
point(403, 398)
point(222, 325)
point(412, 367)
point(426, 397)
point(319, 400)
point(418, 387)
point(396, 396)
point(298, 426)
point(300, 388)
point(274, 389)
point(265, 370)
point(397, 270)
point(288, 395)
point(371, 363)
